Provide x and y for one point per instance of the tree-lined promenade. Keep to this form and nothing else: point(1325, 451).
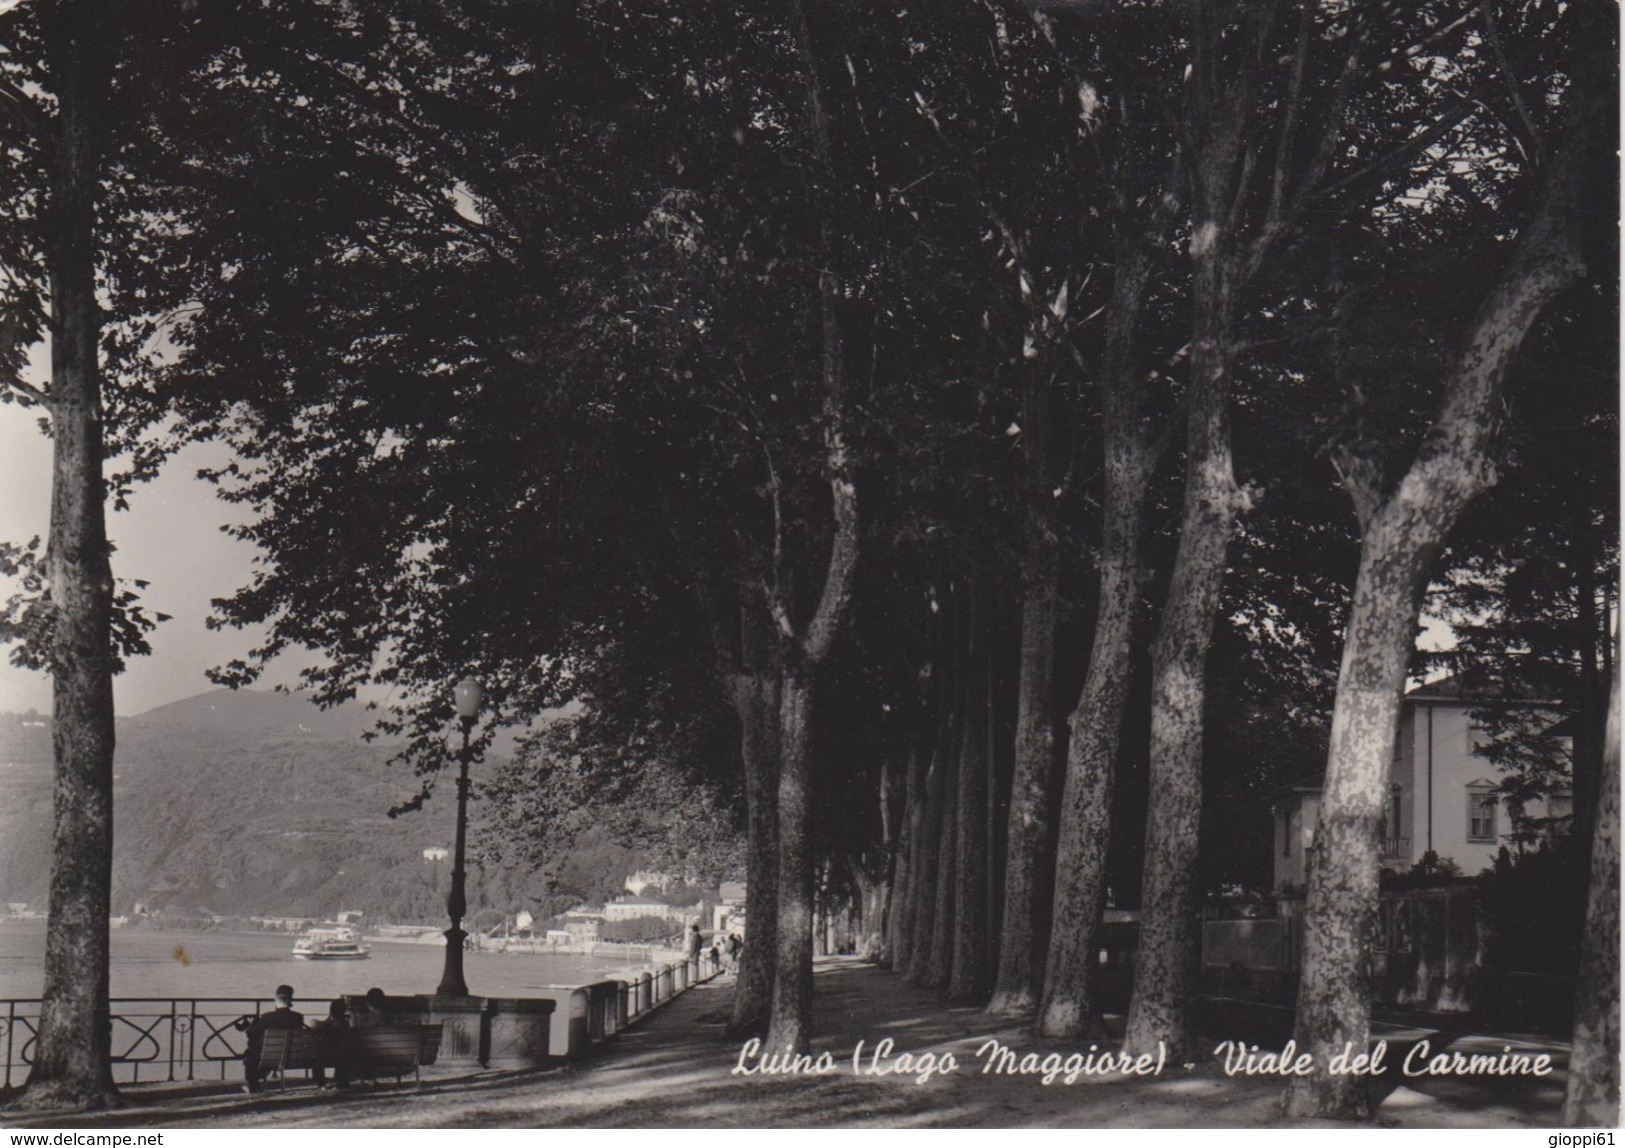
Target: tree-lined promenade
point(970, 457)
point(943, 1068)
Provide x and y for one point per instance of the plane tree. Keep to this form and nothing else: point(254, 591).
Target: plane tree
point(83, 172)
point(1410, 493)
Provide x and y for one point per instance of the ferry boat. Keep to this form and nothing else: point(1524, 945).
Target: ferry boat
point(331, 943)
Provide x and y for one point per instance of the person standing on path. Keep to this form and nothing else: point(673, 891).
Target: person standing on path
point(695, 944)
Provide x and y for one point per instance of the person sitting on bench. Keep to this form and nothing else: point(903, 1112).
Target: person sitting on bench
point(283, 1016)
point(374, 1014)
point(338, 1019)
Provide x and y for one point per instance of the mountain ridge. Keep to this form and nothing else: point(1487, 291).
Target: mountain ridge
point(244, 803)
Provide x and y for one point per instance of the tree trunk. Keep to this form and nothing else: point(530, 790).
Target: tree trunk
point(1067, 1007)
point(1221, 264)
point(806, 652)
point(928, 852)
point(756, 702)
point(1023, 932)
point(967, 979)
point(791, 1021)
point(1334, 990)
point(869, 928)
point(940, 954)
point(900, 921)
point(1165, 964)
point(1592, 1100)
point(72, 1050)
point(1590, 744)
point(878, 916)
point(1402, 533)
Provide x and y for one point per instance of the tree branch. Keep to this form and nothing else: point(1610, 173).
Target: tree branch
point(1537, 144)
point(1548, 260)
point(25, 113)
point(1284, 216)
point(1379, 171)
point(1289, 122)
point(1362, 478)
point(836, 595)
point(28, 391)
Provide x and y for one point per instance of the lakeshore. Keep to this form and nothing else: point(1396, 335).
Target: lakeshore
point(157, 963)
point(675, 1069)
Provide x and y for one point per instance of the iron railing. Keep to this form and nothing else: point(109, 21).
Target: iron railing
point(167, 1038)
point(177, 1038)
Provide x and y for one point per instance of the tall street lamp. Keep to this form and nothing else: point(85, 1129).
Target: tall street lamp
point(467, 694)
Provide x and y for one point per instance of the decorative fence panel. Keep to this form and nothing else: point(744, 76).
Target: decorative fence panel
point(152, 1038)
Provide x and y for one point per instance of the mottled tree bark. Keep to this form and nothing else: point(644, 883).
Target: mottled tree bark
point(878, 930)
point(968, 974)
point(1067, 1006)
point(869, 928)
point(71, 1052)
point(928, 853)
point(1590, 744)
point(1223, 259)
point(901, 921)
point(756, 702)
point(1165, 964)
point(1025, 927)
point(1403, 528)
point(1592, 1099)
point(807, 650)
point(791, 1015)
point(940, 955)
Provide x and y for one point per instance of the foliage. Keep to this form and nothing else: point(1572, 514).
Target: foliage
point(1429, 870)
point(638, 930)
point(1532, 904)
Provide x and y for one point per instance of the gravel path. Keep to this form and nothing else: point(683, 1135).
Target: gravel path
point(678, 1070)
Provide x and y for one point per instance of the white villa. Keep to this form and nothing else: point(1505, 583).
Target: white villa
point(1441, 793)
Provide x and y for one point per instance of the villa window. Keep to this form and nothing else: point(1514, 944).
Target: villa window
point(1482, 808)
point(1560, 809)
point(1395, 808)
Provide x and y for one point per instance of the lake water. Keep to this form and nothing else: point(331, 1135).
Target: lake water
point(149, 963)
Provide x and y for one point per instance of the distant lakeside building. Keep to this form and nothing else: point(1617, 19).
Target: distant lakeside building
point(631, 908)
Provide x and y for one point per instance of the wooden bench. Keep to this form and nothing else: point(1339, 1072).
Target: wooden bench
point(396, 1048)
point(367, 1052)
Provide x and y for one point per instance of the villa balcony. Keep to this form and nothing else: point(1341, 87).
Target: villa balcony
point(1394, 849)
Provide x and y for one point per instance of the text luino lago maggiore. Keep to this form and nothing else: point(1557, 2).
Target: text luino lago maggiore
point(995, 1058)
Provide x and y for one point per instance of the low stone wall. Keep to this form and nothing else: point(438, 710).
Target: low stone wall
point(561, 1022)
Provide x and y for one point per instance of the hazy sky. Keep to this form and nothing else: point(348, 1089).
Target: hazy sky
point(170, 537)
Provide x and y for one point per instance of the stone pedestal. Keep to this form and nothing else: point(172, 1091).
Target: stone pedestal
point(491, 1032)
point(516, 1032)
point(462, 1043)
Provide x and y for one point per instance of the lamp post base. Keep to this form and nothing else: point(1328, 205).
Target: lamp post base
point(463, 1028)
point(451, 980)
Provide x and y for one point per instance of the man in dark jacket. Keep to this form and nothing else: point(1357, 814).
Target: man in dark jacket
point(374, 1012)
point(283, 1016)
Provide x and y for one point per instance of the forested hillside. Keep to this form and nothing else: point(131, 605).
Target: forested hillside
point(249, 803)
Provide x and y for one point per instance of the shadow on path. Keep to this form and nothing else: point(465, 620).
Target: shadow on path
point(678, 1069)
